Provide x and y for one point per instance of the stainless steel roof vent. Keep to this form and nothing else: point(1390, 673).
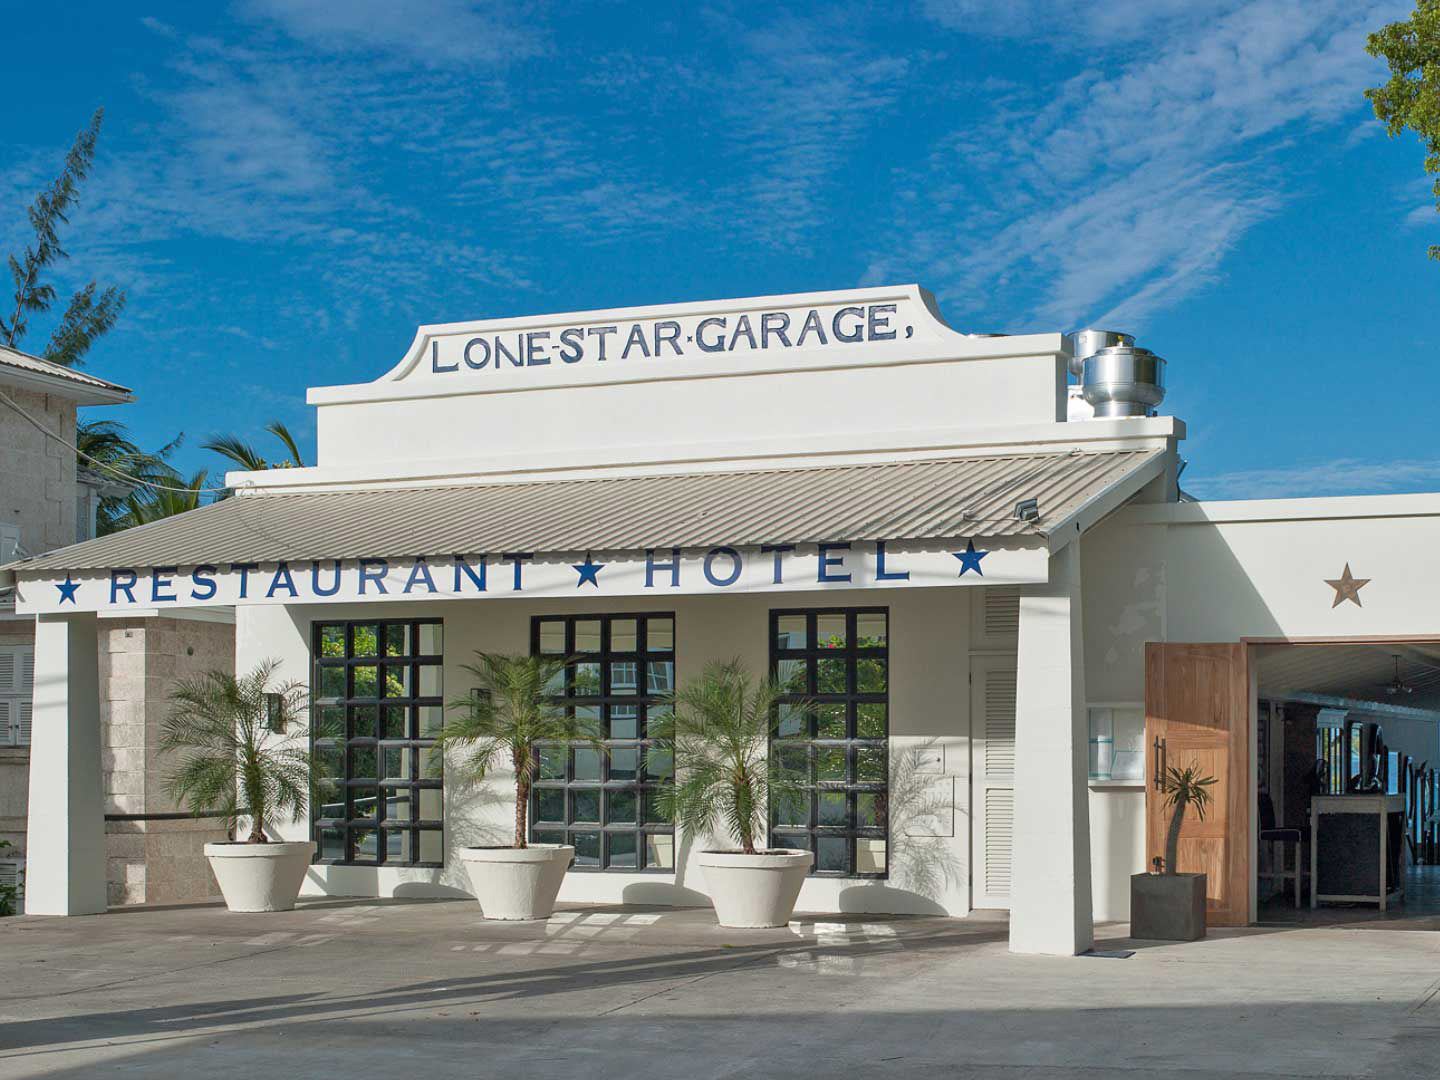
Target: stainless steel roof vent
point(1116, 377)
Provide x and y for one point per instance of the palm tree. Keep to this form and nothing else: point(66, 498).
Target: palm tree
point(511, 714)
point(247, 457)
point(106, 448)
point(1182, 788)
point(719, 732)
point(179, 494)
point(240, 757)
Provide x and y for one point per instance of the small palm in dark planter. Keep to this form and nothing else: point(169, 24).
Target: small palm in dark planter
point(509, 716)
point(1170, 906)
point(244, 758)
point(727, 778)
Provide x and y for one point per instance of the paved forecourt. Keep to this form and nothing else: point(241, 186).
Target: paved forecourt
point(357, 988)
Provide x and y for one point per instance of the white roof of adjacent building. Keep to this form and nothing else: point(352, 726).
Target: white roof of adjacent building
point(36, 373)
point(897, 500)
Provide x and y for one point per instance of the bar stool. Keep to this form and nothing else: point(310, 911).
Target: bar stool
point(1277, 839)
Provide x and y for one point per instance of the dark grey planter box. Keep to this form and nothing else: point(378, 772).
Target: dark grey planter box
point(1167, 907)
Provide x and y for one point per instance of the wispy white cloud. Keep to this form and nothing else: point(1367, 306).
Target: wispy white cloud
point(434, 33)
point(1342, 476)
point(1122, 190)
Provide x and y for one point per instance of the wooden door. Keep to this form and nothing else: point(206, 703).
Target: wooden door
point(1197, 711)
point(992, 772)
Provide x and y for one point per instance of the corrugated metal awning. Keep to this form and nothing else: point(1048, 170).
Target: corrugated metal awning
point(907, 500)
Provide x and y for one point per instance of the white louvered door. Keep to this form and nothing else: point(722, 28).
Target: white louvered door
point(992, 742)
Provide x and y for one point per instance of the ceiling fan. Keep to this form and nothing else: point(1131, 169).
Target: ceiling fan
point(1397, 686)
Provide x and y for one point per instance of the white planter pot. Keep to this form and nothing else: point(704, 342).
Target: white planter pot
point(517, 883)
point(260, 877)
point(755, 890)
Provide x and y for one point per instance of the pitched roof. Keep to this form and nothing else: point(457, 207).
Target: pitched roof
point(87, 389)
point(902, 500)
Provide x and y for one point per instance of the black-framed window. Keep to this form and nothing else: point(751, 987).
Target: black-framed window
point(605, 803)
point(837, 660)
point(377, 707)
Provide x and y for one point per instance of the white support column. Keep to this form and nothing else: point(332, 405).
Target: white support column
point(65, 843)
point(1050, 902)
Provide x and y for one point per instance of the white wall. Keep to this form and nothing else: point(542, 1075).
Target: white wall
point(1220, 572)
point(929, 706)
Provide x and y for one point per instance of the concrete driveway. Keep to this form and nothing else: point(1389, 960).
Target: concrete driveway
point(427, 989)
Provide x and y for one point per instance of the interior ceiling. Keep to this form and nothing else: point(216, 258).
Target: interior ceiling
point(1352, 671)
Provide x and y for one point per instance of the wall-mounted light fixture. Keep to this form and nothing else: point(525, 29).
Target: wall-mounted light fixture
point(275, 713)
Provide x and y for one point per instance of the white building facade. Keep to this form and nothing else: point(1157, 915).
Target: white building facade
point(836, 487)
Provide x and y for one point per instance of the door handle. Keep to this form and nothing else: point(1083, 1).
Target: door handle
point(1158, 775)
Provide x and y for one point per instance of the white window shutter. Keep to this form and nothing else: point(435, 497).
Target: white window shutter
point(27, 714)
point(9, 724)
point(27, 669)
point(10, 669)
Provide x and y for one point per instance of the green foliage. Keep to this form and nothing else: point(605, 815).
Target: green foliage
point(235, 449)
point(719, 730)
point(106, 448)
point(511, 714)
point(1182, 788)
point(1411, 97)
point(144, 505)
point(231, 763)
point(9, 894)
point(87, 316)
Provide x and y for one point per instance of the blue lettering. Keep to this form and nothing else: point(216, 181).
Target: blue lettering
point(779, 551)
point(478, 580)
point(122, 580)
point(373, 570)
point(420, 572)
point(849, 336)
point(651, 566)
point(827, 561)
point(601, 332)
point(244, 568)
point(881, 574)
point(518, 559)
point(282, 580)
point(670, 337)
point(315, 580)
point(812, 325)
point(484, 360)
point(742, 326)
point(572, 347)
point(735, 564)
point(501, 350)
point(162, 577)
point(636, 338)
point(718, 345)
point(535, 348)
point(878, 327)
point(201, 576)
point(774, 322)
point(435, 364)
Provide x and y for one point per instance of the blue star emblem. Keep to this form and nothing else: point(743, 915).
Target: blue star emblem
point(588, 571)
point(67, 589)
point(970, 559)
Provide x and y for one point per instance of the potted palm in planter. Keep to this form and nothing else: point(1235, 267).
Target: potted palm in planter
point(1170, 906)
point(240, 760)
point(505, 721)
point(725, 776)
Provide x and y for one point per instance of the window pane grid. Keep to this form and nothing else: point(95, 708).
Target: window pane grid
point(604, 803)
point(376, 707)
point(837, 661)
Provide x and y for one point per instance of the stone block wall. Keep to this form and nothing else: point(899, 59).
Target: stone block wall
point(153, 861)
point(38, 492)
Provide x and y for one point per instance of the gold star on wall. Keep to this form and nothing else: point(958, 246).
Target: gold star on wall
point(1347, 587)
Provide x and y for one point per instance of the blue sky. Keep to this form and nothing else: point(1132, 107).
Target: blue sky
point(287, 189)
